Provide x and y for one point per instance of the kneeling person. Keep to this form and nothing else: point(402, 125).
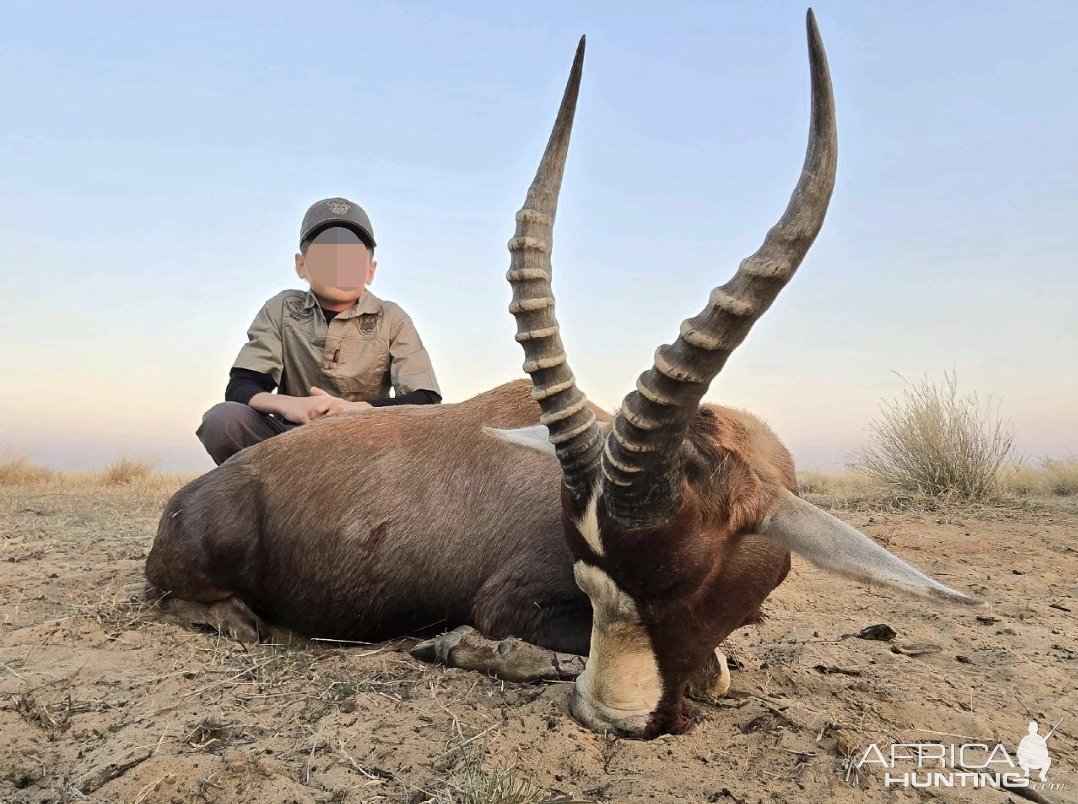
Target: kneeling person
point(336, 347)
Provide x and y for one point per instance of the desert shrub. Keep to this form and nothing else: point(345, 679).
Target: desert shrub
point(20, 472)
point(125, 472)
point(937, 441)
point(1061, 476)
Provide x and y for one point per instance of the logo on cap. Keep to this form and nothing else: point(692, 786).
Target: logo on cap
point(338, 207)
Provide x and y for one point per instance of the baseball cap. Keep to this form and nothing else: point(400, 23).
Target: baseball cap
point(336, 212)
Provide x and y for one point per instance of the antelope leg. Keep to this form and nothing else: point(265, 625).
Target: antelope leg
point(509, 659)
point(231, 617)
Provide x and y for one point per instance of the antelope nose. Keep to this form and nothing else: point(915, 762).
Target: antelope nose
point(591, 717)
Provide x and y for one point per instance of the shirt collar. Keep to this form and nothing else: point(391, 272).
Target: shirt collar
point(366, 304)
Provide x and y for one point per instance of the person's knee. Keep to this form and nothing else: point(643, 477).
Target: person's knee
point(226, 428)
point(224, 417)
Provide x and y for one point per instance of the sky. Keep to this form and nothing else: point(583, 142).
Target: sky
point(156, 160)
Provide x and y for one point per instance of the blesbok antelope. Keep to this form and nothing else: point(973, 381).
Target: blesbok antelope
point(641, 539)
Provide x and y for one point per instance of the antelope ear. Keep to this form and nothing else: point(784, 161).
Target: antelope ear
point(836, 547)
point(536, 437)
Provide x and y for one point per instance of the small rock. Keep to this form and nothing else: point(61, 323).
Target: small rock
point(964, 659)
point(986, 619)
point(880, 632)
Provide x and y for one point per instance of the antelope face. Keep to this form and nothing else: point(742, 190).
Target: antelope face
point(663, 597)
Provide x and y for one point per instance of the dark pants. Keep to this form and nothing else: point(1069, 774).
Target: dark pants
point(228, 427)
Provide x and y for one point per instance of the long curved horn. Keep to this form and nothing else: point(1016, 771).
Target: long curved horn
point(641, 465)
point(565, 412)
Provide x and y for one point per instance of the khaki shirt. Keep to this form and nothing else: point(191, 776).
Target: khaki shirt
point(357, 356)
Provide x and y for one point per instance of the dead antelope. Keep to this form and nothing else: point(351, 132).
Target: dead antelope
point(641, 539)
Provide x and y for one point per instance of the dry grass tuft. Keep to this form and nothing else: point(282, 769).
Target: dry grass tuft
point(1056, 477)
point(497, 786)
point(20, 472)
point(848, 484)
point(1021, 480)
point(1061, 475)
point(937, 442)
point(126, 472)
point(1050, 485)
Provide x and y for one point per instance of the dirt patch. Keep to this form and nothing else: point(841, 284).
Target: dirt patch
point(100, 700)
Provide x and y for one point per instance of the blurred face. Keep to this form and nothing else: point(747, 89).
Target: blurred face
point(338, 266)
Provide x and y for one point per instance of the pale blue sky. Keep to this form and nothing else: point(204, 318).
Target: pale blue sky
point(156, 160)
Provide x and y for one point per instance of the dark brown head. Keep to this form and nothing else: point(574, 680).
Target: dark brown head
point(680, 517)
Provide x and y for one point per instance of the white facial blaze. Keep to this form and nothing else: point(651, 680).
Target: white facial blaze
point(588, 524)
point(621, 685)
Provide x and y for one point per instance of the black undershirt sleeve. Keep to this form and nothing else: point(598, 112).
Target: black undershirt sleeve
point(244, 383)
point(420, 397)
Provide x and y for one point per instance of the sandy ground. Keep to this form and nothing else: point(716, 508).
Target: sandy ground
point(102, 701)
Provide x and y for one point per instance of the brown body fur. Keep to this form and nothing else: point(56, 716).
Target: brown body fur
point(394, 521)
point(387, 522)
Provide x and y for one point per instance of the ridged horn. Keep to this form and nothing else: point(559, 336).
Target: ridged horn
point(573, 430)
point(640, 464)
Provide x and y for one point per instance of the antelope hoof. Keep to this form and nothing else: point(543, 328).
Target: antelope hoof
point(509, 659)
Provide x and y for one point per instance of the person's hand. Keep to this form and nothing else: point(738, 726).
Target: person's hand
point(303, 409)
point(335, 404)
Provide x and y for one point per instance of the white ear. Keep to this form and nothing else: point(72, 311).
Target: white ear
point(536, 437)
point(834, 546)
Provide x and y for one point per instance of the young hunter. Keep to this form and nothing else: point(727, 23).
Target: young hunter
point(333, 348)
